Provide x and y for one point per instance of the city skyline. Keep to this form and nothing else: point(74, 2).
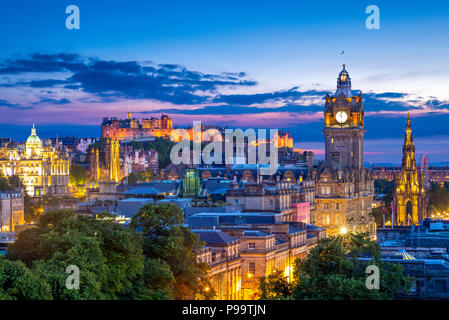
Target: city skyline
point(259, 66)
point(238, 151)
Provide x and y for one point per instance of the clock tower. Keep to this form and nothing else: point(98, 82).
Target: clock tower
point(344, 189)
point(343, 125)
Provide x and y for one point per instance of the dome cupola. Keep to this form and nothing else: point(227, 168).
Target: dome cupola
point(33, 144)
point(344, 83)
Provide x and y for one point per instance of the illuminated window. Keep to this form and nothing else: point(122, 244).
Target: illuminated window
point(252, 245)
point(252, 267)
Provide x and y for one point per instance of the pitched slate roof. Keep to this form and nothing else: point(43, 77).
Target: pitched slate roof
point(144, 190)
point(211, 236)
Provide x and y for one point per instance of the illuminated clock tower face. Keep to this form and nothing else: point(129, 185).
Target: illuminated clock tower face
point(343, 77)
point(341, 117)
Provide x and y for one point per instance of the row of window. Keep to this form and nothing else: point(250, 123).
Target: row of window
point(327, 207)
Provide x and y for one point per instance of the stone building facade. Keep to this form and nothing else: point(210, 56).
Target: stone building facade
point(261, 197)
point(11, 210)
point(222, 253)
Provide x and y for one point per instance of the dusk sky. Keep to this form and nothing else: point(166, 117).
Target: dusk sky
point(240, 63)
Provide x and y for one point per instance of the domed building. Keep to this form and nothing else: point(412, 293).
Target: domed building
point(43, 169)
point(33, 145)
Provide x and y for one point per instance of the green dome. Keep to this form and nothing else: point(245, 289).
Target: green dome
point(33, 139)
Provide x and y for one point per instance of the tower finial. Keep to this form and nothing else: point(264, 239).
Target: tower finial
point(344, 66)
point(409, 123)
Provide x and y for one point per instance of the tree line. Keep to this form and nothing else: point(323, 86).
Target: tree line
point(154, 258)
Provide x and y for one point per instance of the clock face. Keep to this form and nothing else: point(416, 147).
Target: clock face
point(341, 117)
point(343, 77)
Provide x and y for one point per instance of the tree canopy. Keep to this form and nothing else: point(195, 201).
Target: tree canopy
point(78, 175)
point(9, 183)
point(108, 256)
point(333, 270)
point(171, 251)
point(142, 176)
point(156, 258)
point(161, 144)
point(438, 198)
point(387, 188)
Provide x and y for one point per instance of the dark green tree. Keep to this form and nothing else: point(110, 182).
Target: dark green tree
point(275, 286)
point(78, 175)
point(9, 183)
point(143, 176)
point(161, 144)
point(17, 282)
point(173, 245)
point(438, 199)
point(334, 270)
point(109, 257)
point(387, 188)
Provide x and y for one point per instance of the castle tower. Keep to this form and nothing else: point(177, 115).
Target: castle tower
point(410, 194)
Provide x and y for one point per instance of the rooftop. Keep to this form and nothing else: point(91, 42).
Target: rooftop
point(213, 236)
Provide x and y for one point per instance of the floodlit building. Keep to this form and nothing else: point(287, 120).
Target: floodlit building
point(132, 128)
point(266, 242)
point(11, 210)
point(222, 253)
point(43, 169)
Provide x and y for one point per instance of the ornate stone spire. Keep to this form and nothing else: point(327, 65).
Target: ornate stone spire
point(409, 195)
point(408, 143)
point(409, 123)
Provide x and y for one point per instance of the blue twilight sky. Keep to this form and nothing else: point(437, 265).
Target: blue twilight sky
point(237, 63)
